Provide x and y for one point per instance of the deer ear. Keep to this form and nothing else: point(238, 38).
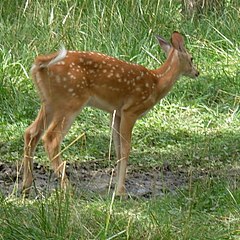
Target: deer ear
point(178, 41)
point(164, 44)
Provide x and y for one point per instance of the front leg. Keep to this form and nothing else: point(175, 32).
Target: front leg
point(116, 139)
point(126, 125)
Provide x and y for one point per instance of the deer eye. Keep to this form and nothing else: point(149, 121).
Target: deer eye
point(191, 59)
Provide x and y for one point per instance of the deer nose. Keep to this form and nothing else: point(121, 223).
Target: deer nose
point(197, 74)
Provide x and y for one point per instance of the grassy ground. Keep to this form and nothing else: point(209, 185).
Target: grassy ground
point(196, 127)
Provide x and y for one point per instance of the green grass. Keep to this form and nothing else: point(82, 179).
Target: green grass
point(207, 210)
point(196, 127)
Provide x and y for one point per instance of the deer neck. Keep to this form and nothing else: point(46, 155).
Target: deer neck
point(167, 74)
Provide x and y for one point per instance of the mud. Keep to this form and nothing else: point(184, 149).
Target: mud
point(87, 178)
point(91, 179)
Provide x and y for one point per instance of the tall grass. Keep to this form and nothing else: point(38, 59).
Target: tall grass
point(207, 210)
point(125, 31)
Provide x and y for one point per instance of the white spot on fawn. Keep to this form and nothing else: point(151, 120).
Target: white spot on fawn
point(61, 63)
point(58, 79)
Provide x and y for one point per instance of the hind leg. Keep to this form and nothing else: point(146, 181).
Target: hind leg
point(52, 142)
point(32, 136)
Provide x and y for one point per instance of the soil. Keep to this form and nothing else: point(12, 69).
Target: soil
point(88, 178)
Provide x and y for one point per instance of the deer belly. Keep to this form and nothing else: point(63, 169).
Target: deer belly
point(101, 104)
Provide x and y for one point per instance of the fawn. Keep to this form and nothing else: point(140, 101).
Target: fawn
point(67, 81)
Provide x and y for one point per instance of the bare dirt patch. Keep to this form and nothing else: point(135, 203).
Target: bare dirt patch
point(86, 177)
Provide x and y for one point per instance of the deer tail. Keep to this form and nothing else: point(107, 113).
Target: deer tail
point(42, 62)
